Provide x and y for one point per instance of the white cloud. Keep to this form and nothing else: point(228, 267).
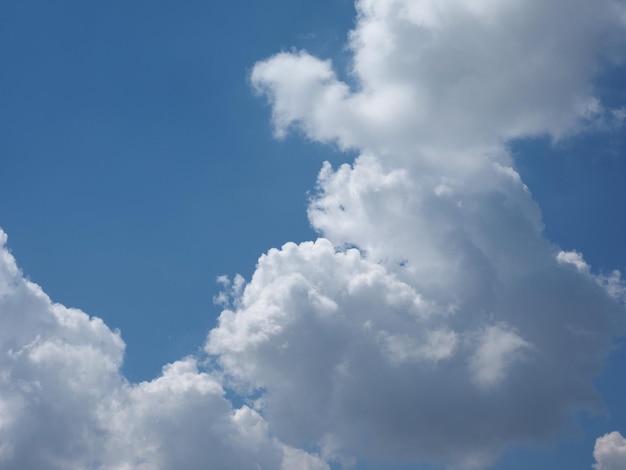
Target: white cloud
point(498, 347)
point(610, 452)
point(432, 319)
point(575, 259)
point(612, 283)
point(450, 76)
point(344, 349)
point(64, 404)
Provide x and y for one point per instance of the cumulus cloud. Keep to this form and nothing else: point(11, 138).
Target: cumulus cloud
point(432, 319)
point(610, 452)
point(424, 71)
point(64, 404)
point(346, 352)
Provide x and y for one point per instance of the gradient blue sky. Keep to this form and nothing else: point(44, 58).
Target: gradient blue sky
point(136, 162)
point(137, 165)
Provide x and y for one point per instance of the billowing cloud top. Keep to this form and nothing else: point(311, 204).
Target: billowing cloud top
point(64, 404)
point(450, 75)
point(610, 452)
point(433, 319)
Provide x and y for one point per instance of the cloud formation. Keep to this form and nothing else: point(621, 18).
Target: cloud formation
point(450, 76)
point(64, 404)
point(610, 452)
point(432, 319)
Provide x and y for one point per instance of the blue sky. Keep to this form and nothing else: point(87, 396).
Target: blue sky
point(138, 163)
point(137, 160)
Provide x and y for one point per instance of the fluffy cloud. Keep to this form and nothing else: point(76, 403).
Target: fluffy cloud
point(487, 72)
point(432, 320)
point(383, 360)
point(64, 404)
point(610, 452)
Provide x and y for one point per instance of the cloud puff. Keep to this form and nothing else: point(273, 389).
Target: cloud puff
point(64, 404)
point(380, 358)
point(610, 452)
point(450, 76)
point(432, 319)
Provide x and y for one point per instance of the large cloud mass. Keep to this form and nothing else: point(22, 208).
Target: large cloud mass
point(64, 404)
point(448, 77)
point(433, 319)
